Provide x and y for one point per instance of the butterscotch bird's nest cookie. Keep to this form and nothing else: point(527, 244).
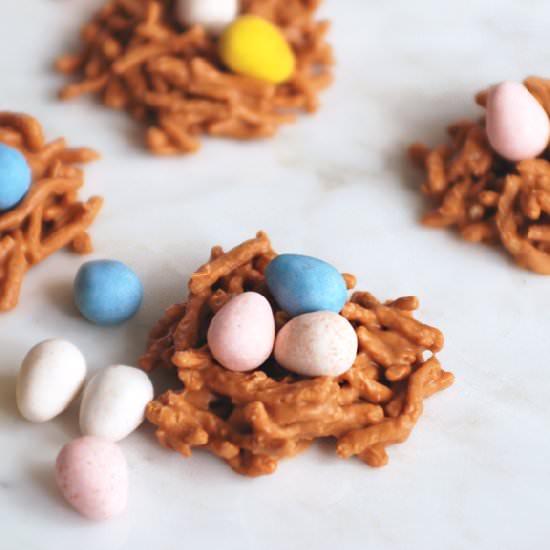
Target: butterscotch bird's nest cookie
point(138, 57)
point(252, 420)
point(487, 198)
point(50, 216)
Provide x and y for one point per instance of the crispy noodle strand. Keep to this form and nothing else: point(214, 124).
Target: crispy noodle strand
point(252, 420)
point(138, 57)
point(50, 216)
point(487, 198)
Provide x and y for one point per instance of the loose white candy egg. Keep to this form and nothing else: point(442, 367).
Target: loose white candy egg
point(322, 343)
point(114, 401)
point(50, 377)
point(213, 15)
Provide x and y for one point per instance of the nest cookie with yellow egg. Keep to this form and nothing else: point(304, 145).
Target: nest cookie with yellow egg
point(187, 68)
point(273, 354)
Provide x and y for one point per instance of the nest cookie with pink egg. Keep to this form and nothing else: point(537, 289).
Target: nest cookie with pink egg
point(490, 181)
point(272, 353)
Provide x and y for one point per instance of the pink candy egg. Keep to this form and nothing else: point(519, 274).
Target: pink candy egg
point(322, 343)
point(93, 477)
point(242, 332)
point(518, 127)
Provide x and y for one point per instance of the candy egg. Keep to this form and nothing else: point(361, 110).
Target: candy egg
point(50, 377)
point(302, 284)
point(518, 127)
point(114, 401)
point(254, 47)
point(15, 177)
point(242, 332)
point(213, 15)
point(317, 344)
point(93, 476)
point(107, 292)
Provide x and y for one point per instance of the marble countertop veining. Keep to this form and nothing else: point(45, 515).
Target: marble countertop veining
point(475, 472)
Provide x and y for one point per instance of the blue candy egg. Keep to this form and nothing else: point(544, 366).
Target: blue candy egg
point(107, 292)
point(15, 177)
point(302, 284)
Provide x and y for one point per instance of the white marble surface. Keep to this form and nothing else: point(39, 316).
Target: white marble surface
point(475, 472)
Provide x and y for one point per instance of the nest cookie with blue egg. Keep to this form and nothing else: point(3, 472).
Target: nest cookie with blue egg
point(260, 383)
point(40, 212)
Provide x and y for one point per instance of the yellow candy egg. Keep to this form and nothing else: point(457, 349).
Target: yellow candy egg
point(254, 47)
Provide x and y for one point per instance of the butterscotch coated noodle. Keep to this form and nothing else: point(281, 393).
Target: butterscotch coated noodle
point(487, 198)
point(50, 217)
point(252, 420)
point(138, 57)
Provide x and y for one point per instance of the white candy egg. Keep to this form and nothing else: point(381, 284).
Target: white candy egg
point(114, 401)
point(50, 377)
point(322, 343)
point(213, 15)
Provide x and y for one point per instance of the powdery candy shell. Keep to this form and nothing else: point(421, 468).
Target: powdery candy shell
point(50, 377)
point(518, 127)
point(304, 284)
point(213, 15)
point(93, 477)
point(114, 401)
point(242, 332)
point(322, 343)
point(15, 177)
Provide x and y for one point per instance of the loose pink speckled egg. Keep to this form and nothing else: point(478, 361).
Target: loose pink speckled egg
point(518, 127)
point(93, 477)
point(322, 343)
point(242, 332)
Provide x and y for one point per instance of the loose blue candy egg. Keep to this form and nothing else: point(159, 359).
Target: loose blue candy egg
point(107, 292)
point(302, 284)
point(15, 177)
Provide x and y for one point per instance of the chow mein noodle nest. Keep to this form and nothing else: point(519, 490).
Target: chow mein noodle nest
point(50, 216)
point(487, 198)
point(138, 57)
point(252, 420)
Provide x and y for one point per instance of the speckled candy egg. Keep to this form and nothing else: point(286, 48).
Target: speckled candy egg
point(242, 332)
point(107, 292)
point(302, 284)
point(93, 477)
point(15, 177)
point(114, 401)
point(317, 344)
point(213, 15)
point(50, 377)
point(518, 127)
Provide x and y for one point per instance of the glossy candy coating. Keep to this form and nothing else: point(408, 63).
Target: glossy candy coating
point(252, 46)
